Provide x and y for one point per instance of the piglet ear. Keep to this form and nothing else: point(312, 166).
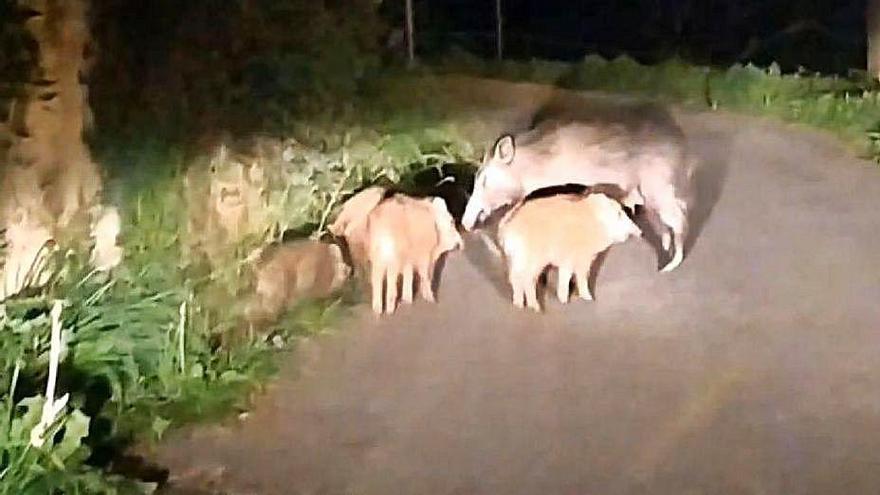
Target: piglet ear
point(504, 149)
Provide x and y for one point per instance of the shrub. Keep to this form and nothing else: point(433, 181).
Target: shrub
point(848, 107)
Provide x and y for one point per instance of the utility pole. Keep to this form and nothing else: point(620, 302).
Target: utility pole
point(872, 23)
point(499, 34)
point(410, 39)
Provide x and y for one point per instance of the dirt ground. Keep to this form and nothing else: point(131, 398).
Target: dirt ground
point(754, 368)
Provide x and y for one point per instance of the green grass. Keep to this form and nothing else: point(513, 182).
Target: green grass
point(849, 108)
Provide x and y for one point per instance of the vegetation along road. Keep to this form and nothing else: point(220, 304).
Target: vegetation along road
point(753, 368)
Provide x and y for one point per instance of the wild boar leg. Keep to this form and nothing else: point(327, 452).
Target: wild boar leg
point(407, 284)
point(562, 287)
point(673, 215)
point(582, 280)
point(516, 288)
point(531, 290)
point(392, 276)
point(516, 275)
point(426, 275)
point(377, 279)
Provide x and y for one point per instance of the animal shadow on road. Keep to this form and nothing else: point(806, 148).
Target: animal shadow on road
point(712, 151)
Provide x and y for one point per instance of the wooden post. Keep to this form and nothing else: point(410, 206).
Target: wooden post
point(410, 38)
point(872, 25)
point(499, 30)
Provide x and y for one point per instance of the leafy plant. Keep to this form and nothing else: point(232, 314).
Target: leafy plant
point(149, 346)
point(42, 448)
point(848, 107)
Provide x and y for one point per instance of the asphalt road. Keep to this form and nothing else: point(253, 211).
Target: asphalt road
point(754, 368)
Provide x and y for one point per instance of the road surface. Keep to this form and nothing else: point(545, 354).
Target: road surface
point(754, 368)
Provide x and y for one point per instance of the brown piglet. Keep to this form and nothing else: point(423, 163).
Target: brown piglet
point(398, 236)
point(567, 231)
point(290, 272)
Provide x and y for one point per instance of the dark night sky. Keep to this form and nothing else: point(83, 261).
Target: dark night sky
point(830, 38)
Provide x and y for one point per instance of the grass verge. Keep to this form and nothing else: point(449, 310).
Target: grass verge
point(153, 345)
point(848, 107)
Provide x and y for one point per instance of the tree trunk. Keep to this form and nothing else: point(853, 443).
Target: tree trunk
point(48, 176)
point(410, 36)
point(872, 17)
point(49, 167)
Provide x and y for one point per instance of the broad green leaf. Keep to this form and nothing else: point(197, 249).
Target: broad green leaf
point(76, 427)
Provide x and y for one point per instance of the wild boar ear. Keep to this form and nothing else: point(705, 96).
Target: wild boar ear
point(504, 149)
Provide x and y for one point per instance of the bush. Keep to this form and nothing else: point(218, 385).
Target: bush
point(848, 107)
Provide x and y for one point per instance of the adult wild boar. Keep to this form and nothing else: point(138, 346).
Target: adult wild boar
point(646, 158)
